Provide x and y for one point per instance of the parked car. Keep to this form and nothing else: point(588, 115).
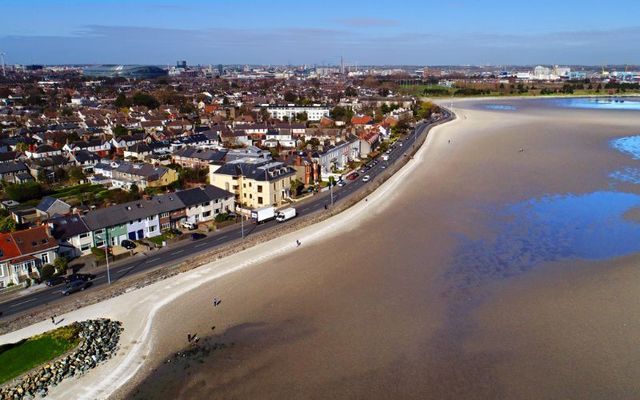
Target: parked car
point(341, 183)
point(56, 280)
point(189, 225)
point(366, 178)
point(80, 277)
point(75, 286)
point(353, 176)
point(198, 236)
point(128, 244)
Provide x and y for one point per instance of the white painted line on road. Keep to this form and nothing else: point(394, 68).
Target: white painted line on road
point(127, 269)
point(177, 252)
point(305, 209)
point(151, 260)
point(221, 237)
point(201, 244)
point(22, 302)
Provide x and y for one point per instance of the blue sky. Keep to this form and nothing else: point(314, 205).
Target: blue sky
point(319, 32)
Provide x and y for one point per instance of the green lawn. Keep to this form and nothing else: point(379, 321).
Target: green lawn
point(18, 358)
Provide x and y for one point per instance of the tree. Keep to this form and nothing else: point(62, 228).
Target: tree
point(290, 97)
point(21, 147)
point(7, 224)
point(121, 101)
point(47, 271)
point(302, 116)
point(60, 174)
point(350, 91)
point(120, 131)
point(296, 187)
point(134, 190)
point(76, 174)
point(24, 191)
point(339, 113)
point(144, 99)
point(61, 264)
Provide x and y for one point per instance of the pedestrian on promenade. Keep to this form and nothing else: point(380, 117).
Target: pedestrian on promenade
point(53, 319)
point(298, 243)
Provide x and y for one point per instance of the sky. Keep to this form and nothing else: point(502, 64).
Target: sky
point(373, 32)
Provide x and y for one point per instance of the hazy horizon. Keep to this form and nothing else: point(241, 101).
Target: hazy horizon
point(286, 32)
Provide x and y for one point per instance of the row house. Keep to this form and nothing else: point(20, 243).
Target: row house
point(148, 218)
point(97, 146)
point(23, 253)
point(123, 175)
point(121, 143)
point(190, 157)
point(43, 151)
point(73, 235)
point(331, 158)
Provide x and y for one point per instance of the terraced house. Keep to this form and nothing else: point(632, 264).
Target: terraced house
point(23, 253)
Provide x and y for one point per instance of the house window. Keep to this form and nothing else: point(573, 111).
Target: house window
point(150, 218)
point(259, 188)
point(206, 214)
point(152, 228)
point(85, 247)
point(166, 225)
point(45, 258)
point(164, 215)
point(99, 243)
point(84, 235)
point(259, 199)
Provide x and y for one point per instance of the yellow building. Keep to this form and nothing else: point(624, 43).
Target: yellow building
point(255, 183)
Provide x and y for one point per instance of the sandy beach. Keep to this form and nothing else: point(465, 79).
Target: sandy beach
point(397, 297)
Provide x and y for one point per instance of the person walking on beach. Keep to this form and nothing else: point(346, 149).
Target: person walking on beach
point(298, 243)
point(53, 319)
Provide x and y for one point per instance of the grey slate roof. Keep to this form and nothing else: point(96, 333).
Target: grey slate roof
point(12, 167)
point(267, 170)
point(133, 210)
point(205, 155)
point(67, 226)
point(192, 197)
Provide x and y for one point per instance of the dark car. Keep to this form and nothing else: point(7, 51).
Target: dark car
point(353, 176)
point(80, 277)
point(56, 280)
point(198, 236)
point(128, 244)
point(75, 286)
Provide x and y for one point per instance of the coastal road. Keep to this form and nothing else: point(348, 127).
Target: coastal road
point(187, 248)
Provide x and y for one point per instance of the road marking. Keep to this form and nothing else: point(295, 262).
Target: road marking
point(22, 302)
point(127, 269)
point(151, 260)
point(305, 209)
point(201, 244)
point(221, 237)
point(177, 252)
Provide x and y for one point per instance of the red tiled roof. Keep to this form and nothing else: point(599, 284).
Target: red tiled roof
point(8, 247)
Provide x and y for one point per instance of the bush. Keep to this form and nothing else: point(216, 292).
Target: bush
point(47, 272)
point(61, 264)
point(98, 253)
point(27, 282)
point(222, 217)
point(24, 191)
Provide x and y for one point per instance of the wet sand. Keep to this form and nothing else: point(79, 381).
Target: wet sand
point(387, 308)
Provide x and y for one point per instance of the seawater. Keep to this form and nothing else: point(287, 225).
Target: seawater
point(500, 107)
point(552, 228)
point(602, 103)
point(629, 145)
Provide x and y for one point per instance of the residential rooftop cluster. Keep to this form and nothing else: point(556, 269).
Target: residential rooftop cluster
point(92, 157)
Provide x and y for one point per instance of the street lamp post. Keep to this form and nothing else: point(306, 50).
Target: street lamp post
point(331, 191)
point(106, 253)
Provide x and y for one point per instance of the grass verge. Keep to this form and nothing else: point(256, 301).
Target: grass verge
point(18, 358)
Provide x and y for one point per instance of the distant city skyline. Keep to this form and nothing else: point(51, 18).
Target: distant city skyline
point(289, 32)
